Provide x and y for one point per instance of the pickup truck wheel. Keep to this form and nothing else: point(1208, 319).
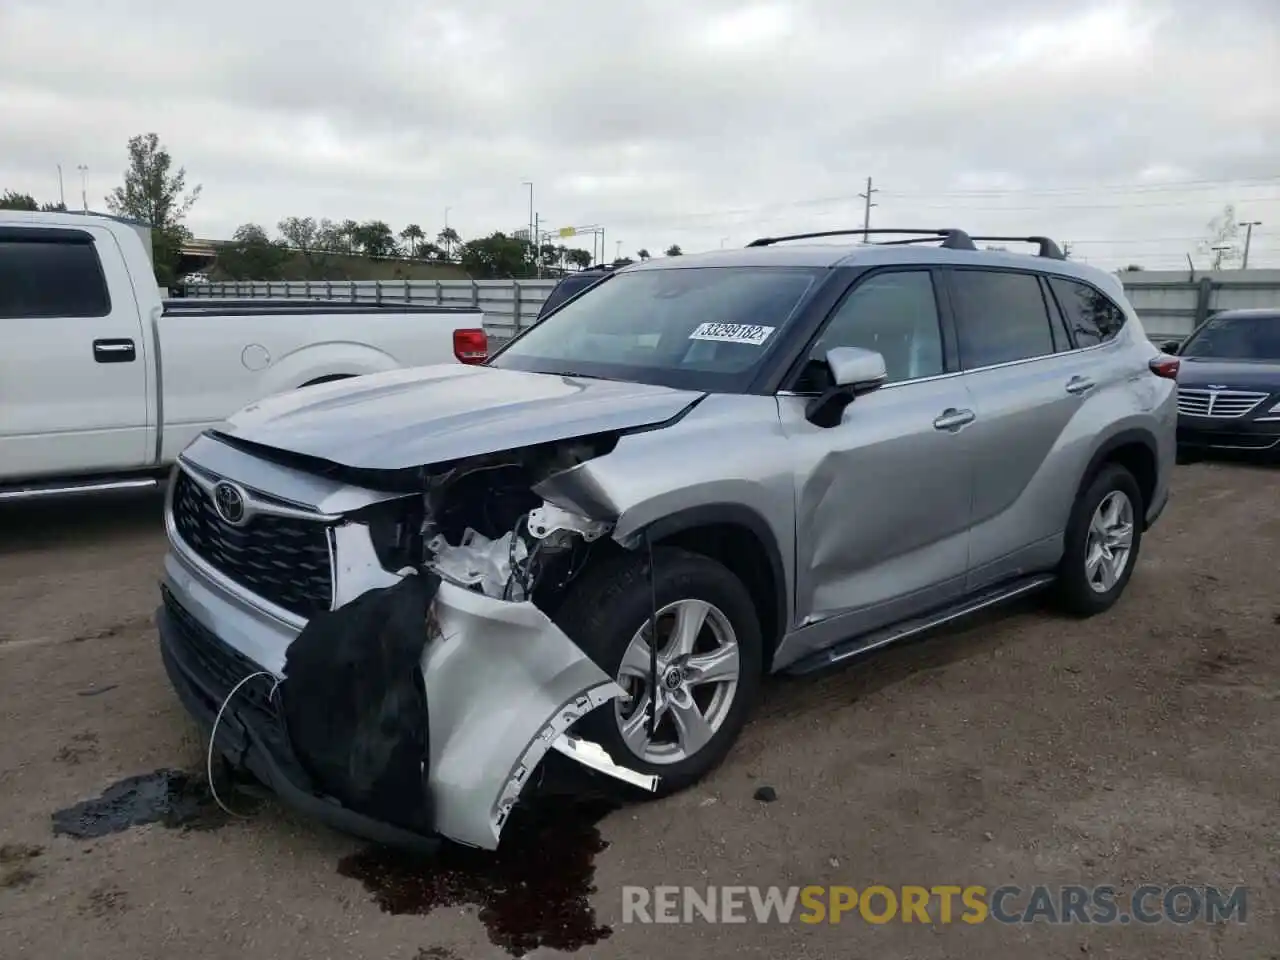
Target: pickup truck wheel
point(1102, 541)
point(710, 657)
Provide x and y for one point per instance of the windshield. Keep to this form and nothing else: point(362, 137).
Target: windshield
point(699, 328)
point(1236, 338)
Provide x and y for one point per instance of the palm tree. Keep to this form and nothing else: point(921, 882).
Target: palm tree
point(413, 233)
point(448, 236)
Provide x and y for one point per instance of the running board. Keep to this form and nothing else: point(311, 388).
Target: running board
point(918, 625)
point(76, 488)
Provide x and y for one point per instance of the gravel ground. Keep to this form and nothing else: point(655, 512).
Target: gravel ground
point(1136, 747)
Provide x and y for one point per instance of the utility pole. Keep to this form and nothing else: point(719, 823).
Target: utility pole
point(537, 244)
point(529, 184)
point(62, 194)
point(866, 210)
point(1248, 235)
point(84, 192)
point(618, 256)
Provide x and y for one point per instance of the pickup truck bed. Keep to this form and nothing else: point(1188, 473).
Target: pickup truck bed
point(102, 383)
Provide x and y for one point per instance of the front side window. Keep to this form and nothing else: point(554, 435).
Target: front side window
point(703, 328)
point(894, 314)
point(1236, 338)
point(1091, 316)
point(1000, 317)
point(46, 279)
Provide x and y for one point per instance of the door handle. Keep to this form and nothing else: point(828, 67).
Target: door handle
point(1079, 385)
point(114, 351)
point(953, 419)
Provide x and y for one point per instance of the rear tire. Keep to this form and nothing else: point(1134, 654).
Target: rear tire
point(607, 614)
point(1103, 538)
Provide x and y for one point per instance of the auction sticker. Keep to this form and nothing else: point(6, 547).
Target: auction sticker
point(751, 333)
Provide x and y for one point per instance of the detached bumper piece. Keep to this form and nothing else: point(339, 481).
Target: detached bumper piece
point(417, 711)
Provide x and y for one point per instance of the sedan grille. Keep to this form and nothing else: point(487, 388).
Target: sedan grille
point(1223, 404)
point(284, 560)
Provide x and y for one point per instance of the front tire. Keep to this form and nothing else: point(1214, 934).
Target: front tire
point(1103, 537)
point(710, 653)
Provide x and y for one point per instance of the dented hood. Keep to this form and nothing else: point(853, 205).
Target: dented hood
point(408, 418)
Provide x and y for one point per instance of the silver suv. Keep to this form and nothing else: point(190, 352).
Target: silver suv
point(768, 459)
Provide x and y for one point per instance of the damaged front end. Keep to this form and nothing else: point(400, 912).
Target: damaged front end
point(424, 699)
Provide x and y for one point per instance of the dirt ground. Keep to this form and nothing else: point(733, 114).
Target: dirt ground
point(1137, 747)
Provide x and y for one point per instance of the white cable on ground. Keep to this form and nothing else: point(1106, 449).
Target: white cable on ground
point(213, 736)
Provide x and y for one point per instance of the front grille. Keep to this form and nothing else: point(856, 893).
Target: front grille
point(284, 560)
point(1223, 404)
point(218, 666)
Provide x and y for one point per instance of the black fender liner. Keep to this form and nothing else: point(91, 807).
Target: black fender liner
point(726, 514)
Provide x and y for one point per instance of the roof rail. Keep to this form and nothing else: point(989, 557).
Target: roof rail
point(951, 239)
point(1047, 247)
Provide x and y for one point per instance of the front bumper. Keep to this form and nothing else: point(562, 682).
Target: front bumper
point(253, 738)
point(1257, 436)
point(503, 686)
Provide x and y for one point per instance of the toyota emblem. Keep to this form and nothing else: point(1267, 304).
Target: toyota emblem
point(228, 500)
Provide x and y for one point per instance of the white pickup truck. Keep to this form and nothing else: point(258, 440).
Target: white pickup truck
point(103, 383)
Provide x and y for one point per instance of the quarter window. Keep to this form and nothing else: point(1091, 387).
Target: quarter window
point(1091, 316)
point(894, 314)
point(51, 279)
point(1000, 317)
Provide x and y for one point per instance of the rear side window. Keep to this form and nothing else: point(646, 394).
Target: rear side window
point(1091, 316)
point(51, 279)
point(1000, 317)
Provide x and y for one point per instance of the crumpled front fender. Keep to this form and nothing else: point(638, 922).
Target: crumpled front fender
point(503, 686)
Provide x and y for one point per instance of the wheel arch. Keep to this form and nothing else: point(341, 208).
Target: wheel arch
point(739, 538)
point(1134, 449)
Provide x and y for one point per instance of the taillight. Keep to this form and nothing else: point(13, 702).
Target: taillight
point(1165, 366)
point(470, 345)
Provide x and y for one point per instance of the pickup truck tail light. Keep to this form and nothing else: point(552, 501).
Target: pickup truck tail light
point(1165, 366)
point(471, 345)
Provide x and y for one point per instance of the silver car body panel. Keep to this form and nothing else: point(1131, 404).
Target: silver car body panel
point(423, 415)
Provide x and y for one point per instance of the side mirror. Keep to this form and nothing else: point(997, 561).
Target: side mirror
point(1170, 346)
point(854, 372)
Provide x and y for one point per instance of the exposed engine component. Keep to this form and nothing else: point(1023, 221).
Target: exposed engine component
point(509, 567)
point(549, 522)
point(480, 562)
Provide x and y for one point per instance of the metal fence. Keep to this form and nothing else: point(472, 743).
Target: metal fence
point(1173, 303)
point(1170, 303)
point(508, 305)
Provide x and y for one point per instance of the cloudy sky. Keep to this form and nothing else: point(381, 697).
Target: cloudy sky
point(1123, 126)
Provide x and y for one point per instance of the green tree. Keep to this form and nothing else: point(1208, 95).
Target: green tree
point(643, 254)
point(330, 237)
point(252, 255)
point(674, 250)
point(413, 235)
point(449, 239)
point(349, 233)
point(12, 200)
point(579, 258)
point(299, 233)
point(156, 194)
point(374, 238)
point(496, 257)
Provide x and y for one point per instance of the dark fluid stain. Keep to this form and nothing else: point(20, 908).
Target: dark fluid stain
point(532, 892)
point(168, 797)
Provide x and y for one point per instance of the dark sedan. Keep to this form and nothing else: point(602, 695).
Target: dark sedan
point(1229, 383)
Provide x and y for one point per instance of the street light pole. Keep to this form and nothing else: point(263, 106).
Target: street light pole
point(62, 194)
point(84, 190)
point(1248, 236)
point(529, 184)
